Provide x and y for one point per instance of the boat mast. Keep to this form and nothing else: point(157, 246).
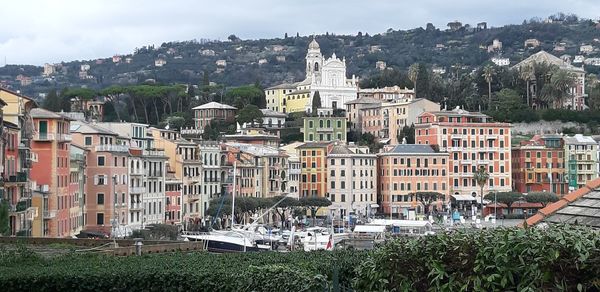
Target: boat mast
point(233, 196)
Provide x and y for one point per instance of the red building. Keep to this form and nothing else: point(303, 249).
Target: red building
point(538, 165)
point(173, 194)
point(213, 111)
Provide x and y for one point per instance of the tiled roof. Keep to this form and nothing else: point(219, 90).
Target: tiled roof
point(283, 86)
point(364, 99)
point(40, 113)
point(214, 105)
point(412, 149)
point(340, 149)
point(314, 145)
point(272, 113)
point(89, 128)
point(578, 207)
point(580, 139)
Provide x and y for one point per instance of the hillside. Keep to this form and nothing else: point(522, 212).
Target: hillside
point(271, 61)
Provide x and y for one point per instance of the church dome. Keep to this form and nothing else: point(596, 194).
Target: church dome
point(313, 45)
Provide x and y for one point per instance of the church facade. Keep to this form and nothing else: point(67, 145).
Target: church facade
point(325, 75)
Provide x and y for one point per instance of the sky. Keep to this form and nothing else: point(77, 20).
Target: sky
point(37, 32)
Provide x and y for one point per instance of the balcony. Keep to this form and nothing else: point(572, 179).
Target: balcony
point(154, 152)
point(112, 148)
point(492, 137)
point(137, 190)
point(483, 162)
point(136, 172)
point(20, 177)
point(43, 137)
point(63, 137)
point(456, 136)
point(193, 197)
point(325, 129)
point(49, 214)
point(193, 179)
point(136, 206)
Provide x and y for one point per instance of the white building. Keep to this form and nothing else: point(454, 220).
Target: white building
point(501, 61)
point(294, 169)
point(579, 59)
point(160, 62)
point(380, 65)
point(48, 69)
point(592, 61)
point(586, 49)
point(328, 77)
point(221, 63)
point(352, 179)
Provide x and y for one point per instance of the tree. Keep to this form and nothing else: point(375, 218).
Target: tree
point(316, 103)
point(526, 73)
point(4, 222)
point(233, 38)
point(413, 75)
point(408, 133)
point(541, 197)
point(250, 114)
point(113, 94)
point(559, 87)
point(427, 198)
point(52, 101)
point(488, 74)
point(507, 198)
point(287, 204)
point(481, 176)
point(245, 95)
point(314, 204)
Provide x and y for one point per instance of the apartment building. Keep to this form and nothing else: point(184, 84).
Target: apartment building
point(107, 184)
point(313, 176)
point(353, 108)
point(17, 160)
point(352, 177)
point(406, 172)
point(473, 141)
point(538, 165)
point(386, 120)
point(173, 194)
point(294, 168)
point(391, 93)
point(77, 180)
point(213, 111)
point(51, 143)
point(581, 155)
point(324, 129)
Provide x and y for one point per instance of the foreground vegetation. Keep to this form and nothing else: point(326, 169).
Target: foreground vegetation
point(531, 259)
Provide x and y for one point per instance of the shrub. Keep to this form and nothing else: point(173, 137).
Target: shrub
point(530, 259)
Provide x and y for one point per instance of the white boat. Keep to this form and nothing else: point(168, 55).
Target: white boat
point(226, 241)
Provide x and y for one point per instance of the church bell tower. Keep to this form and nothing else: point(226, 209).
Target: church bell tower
point(314, 60)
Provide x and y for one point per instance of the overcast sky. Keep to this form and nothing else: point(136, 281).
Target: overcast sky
point(36, 32)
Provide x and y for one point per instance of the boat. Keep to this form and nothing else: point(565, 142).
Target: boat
point(226, 241)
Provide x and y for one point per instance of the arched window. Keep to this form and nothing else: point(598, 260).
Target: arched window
point(316, 66)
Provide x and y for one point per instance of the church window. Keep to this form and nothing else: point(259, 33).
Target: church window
point(316, 66)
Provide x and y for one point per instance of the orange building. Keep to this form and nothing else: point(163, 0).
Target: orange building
point(472, 140)
point(313, 175)
point(51, 142)
point(538, 165)
point(406, 172)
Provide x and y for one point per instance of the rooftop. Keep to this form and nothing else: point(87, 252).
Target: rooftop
point(545, 57)
point(214, 105)
point(364, 100)
point(314, 145)
point(412, 149)
point(580, 207)
point(283, 86)
point(272, 113)
point(40, 113)
point(580, 139)
point(89, 128)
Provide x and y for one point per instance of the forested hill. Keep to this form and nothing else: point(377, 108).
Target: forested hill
point(271, 61)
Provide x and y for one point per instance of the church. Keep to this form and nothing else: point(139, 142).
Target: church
point(325, 75)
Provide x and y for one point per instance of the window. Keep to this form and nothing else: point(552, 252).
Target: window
point(88, 141)
point(99, 218)
point(332, 185)
point(100, 160)
point(100, 199)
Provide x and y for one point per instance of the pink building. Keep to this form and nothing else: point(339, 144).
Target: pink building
point(107, 188)
point(473, 141)
point(173, 193)
point(408, 175)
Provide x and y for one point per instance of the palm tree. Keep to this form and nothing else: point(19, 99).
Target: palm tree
point(558, 87)
point(526, 73)
point(481, 176)
point(413, 75)
point(488, 73)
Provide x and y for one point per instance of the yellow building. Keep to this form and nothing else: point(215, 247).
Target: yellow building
point(297, 101)
point(276, 96)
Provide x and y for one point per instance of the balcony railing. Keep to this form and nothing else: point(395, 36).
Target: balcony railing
point(43, 137)
point(136, 207)
point(49, 214)
point(112, 148)
point(137, 190)
point(137, 172)
point(61, 137)
point(325, 129)
point(153, 153)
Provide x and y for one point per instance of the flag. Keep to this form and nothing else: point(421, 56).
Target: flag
point(330, 243)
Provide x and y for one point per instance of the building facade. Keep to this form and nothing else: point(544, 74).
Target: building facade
point(313, 175)
point(538, 165)
point(352, 177)
point(473, 141)
point(213, 111)
point(581, 155)
point(407, 173)
point(324, 129)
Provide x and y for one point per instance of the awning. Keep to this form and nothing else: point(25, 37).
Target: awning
point(463, 197)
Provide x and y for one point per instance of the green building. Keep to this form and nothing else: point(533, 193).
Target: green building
point(324, 129)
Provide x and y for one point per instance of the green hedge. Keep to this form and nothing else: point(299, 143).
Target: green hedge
point(295, 271)
point(532, 259)
point(504, 259)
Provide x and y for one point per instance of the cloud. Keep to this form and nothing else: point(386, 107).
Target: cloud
point(36, 32)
